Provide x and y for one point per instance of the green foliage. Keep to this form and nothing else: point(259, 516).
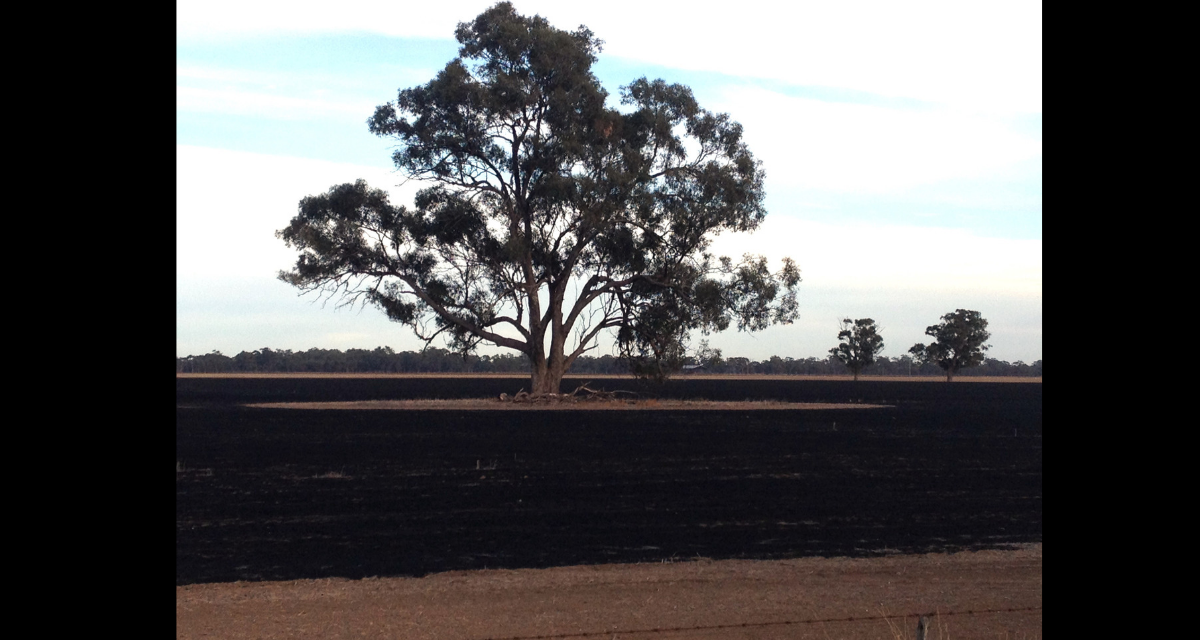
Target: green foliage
point(536, 184)
point(959, 342)
point(860, 344)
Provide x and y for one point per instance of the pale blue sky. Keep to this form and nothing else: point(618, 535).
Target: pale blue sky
point(902, 148)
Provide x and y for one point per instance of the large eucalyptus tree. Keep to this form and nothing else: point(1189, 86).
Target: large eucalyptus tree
point(550, 216)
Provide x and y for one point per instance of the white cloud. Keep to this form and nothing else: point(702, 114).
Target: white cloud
point(904, 260)
point(210, 19)
point(230, 203)
point(253, 103)
point(851, 147)
point(239, 76)
point(983, 56)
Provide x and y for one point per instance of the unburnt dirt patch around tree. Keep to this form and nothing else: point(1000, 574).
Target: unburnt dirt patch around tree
point(582, 398)
point(281, 494)
point(1005, 393)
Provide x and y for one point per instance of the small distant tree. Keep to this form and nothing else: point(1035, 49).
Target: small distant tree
point(960, 339)
point(861, 342)
point(708, 357)
point(738, 365)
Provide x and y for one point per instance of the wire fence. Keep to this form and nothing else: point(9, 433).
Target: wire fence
point(746, 625)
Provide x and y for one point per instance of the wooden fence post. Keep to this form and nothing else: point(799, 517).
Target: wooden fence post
point(922, 627)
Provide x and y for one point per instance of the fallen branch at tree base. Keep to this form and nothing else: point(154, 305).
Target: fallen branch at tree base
point(590, 395)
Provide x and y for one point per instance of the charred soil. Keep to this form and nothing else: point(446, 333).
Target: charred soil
point(285, 494)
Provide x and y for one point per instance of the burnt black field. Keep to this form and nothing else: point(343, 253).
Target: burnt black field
point(280, 494)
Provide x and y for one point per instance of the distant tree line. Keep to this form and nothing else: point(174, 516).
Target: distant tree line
point(435, 360)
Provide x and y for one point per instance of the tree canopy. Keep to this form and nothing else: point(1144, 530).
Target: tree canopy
point(860, 343)
point(550, 216)
point(959, 343)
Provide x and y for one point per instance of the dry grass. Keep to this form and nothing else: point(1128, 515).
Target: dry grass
point(702, 599)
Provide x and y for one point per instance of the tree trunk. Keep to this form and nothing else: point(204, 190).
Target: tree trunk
point(537, 372)
point(554, 374)
point(546, 376)
point(548, 369)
